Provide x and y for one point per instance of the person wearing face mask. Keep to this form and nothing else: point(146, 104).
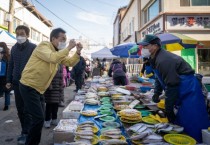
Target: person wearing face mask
point(4, 58)
point(184, 102)
point(38, 74)
point(20, 54)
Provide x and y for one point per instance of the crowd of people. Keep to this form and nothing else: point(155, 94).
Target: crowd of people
point(38, 75)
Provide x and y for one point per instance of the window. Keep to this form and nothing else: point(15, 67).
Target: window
point(152, 11)
point(204, 62)
point(44, 38)
point(5, 23)
point(35, 35)
point(194, 2)
point(16, 22)
point(1, 17)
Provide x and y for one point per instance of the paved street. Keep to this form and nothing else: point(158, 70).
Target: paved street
point(10, 131)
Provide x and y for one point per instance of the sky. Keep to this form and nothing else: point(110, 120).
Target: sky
point(92, 18)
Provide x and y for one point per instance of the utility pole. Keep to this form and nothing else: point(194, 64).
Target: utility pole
point(11, 15)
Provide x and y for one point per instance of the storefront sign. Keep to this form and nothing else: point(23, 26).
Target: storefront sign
point(188, 22)
point(153, 28)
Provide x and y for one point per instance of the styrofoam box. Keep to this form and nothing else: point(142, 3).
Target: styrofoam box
point(71, 114)
point(64, 131)
point(206, 136)
point(76, 105)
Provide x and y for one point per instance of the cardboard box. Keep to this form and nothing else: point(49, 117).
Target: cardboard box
point(64, 131)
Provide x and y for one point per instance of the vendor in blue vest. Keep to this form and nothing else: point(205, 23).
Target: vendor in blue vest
point(147, 69)
point(184, 103)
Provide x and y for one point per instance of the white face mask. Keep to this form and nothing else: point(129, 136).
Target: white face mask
point(61, 45)
point(1, 49)
point(145, 53)
point(21, 39)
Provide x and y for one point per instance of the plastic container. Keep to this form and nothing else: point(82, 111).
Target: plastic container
point(144, 89)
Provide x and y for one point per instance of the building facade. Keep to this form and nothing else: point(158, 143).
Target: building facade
point(26, 14)
point(187, 17)
point(129, 23)
point(116, 25)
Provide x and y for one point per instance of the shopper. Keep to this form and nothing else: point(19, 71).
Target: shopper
point(4, 59)
point(53, 96)
point(78, 72)
point(20, 54)
point(38, 74)
point(117, 71)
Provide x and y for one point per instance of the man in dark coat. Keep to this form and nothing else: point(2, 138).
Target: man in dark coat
point(53, 96)
point(78, 72)
point(184, 102)
point(20, 54)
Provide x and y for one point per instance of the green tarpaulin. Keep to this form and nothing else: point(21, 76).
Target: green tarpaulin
point(189, 56)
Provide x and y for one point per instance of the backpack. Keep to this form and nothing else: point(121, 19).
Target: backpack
point(117, 68)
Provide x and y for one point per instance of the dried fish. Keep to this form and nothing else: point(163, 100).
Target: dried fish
point(136, 127)
point(89, 133)
point(169, 128)
point(139, 136)
point(83, 140)
point(113, 136)
point(142, 129)
point(111, 130)
point(85, 137)
point(154, 137)
point(114, 141)
point(150, 141)
point(87, 122)
point(177, 128)
point(161, 125)
point(77, 143)
point(148, 131)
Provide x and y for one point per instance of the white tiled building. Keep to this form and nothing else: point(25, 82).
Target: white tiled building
point(26, 14)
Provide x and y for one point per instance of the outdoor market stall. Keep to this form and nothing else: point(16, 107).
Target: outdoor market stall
point(108, 114)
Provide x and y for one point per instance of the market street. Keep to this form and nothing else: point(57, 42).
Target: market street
point(10, 131)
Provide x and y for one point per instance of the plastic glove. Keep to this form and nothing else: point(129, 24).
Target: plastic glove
point(141, 74)
point(155, 98)
point(149, 75)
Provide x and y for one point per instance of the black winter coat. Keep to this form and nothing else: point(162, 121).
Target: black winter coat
point(55, 92)
point(20, 54)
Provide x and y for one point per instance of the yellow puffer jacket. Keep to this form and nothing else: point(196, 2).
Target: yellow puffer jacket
point(43, 64)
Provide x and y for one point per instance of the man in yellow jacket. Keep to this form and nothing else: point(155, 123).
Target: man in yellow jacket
point(38, 74)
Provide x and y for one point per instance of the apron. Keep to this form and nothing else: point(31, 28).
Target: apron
point(191, 113)
point(149, 70)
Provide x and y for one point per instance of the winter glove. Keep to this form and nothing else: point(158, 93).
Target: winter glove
point(155, 98)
